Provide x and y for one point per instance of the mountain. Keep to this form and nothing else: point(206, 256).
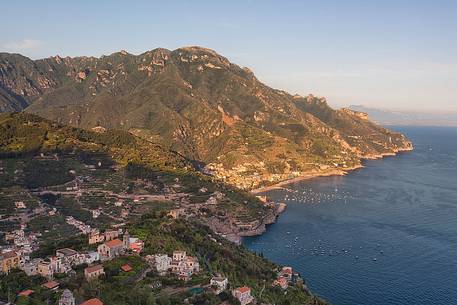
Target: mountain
point(195, 101)
point(388, 117)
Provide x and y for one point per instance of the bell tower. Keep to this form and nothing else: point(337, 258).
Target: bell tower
point(126, 240)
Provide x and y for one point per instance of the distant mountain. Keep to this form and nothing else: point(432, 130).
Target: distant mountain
point(196, 102)
point(388, 117)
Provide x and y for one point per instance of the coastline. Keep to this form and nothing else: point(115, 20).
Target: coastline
point(235, 235)
point(309, 175)
point(328, 173)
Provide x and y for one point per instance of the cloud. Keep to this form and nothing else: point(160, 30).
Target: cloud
point(25, 45)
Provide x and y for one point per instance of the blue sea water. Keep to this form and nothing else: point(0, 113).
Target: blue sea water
point(382, 235)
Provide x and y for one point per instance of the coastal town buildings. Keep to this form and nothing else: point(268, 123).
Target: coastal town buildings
point(162, 263)
point(282, 282)
point(110, 249)
point(179, 263)
point(45, 269)
point(219, 284)
point(95, 237)
point(67, 298)
point(179, 255)
point(193, 264)
point(184, 266)
point(9, 260)
point(111, 234)
point(287, 276)
point(68, 256)
point(287, 272)
point(93, 272)
point(126, 241)
point(31, 267)
point(81, 226)
point(89, 257)
point(136, 245)
point(243, 295)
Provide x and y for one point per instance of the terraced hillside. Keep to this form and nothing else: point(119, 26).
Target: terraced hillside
point(115, 175)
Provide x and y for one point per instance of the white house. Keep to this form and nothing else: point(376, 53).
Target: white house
point(219, 283)
point(89, 257)
point(162, 263)
point(31, 268)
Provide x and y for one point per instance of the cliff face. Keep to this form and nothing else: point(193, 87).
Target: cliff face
point(198, 103)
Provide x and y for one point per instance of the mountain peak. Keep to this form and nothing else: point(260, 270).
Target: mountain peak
point(198, 49)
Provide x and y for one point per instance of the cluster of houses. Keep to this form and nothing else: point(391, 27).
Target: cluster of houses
point(66, 298)
point(180, 264)
point(81, 226)
point(62, 262)
point(249, 175)
point(287, 276)
point(110, 246)
point(23, 243)
point(65, 259)
point(185, 266)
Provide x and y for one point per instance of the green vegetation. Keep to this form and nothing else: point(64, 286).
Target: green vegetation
point(54, 228)
point(163, 235)
point(17, 281)
point(241, 266)
point(39, 173)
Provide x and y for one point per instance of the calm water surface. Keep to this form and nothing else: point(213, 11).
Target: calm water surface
point(382, 235)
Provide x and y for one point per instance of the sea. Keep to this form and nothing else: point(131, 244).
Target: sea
point(385, 234)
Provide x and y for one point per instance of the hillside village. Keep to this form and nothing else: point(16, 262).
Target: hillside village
point(108, 246)
point(97, 248)
point(83, 225)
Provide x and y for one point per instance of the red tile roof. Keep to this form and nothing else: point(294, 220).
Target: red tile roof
point(126, 268)
point(51, 285)
point(136, 247)
point(114, 243)
point(243, 289)
point(25, 293)
point(93, 268)
point(287, 270)
point(94, 301)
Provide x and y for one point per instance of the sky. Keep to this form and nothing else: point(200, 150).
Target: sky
point(393, 54)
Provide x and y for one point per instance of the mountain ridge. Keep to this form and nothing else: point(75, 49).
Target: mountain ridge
point(197, 102)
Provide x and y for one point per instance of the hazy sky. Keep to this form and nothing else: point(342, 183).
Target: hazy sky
point(392, 54)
